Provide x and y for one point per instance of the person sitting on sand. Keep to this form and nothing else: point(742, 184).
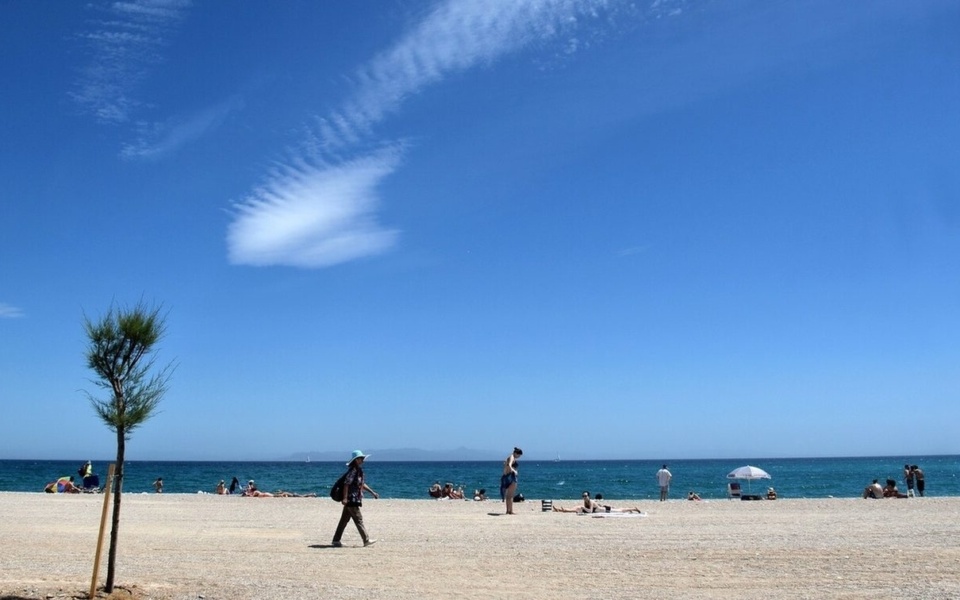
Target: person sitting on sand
point(873, 490)
point(221, 487)
point(693, 496)
point(589, 506)
point(450, 493)
point(891, 491)
point(251, 489)
point(771, 494)
point(435, 491)
point(63, 485)
point(480, 495)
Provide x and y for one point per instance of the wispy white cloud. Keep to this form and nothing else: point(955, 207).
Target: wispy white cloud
point(317, 214)
point(9, 312)
point(122, 45)
point(155, 140)
point(632, 251)
point(454, 37)
point(314, 215)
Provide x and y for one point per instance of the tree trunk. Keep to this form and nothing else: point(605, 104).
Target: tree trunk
point(117, 494)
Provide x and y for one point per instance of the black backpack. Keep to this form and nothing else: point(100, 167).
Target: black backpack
point(336, 492)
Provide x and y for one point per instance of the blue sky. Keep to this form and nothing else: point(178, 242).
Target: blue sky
point(606, 229)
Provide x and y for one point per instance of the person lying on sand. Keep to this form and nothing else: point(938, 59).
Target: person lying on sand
point(591, 506)
point(283, 494)
point(253, 492)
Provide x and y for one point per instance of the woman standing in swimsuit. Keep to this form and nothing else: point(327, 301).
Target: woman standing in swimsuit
point(508, 481)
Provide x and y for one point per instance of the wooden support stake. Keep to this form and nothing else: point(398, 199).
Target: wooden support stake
point(103, 525)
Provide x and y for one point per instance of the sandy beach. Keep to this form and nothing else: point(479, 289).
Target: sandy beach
point(204, 546)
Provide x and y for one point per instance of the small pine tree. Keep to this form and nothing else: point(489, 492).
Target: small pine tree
point(120, 354)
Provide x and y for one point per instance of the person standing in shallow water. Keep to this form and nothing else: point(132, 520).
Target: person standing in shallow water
point(508, 480)
point(663, 480)
point(353, 487)
point(918, 475)
point(908, 478)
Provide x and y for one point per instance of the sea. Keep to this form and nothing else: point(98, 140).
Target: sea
point(550, 479)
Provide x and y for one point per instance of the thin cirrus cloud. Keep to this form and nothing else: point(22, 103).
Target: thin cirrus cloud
point(123, 43)
point(318, 213)
point(156, 140)
point(9, 312)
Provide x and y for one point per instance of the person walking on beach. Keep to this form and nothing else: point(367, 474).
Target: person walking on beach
point(918, 475)
point(353, 487)
point(663, 480)
point(508, 480)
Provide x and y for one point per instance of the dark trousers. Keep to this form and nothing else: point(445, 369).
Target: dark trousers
point(351, 512)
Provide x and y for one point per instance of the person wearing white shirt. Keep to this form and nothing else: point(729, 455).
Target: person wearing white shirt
point(663, 479)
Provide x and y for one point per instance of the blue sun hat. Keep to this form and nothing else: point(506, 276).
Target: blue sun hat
point(357, 454)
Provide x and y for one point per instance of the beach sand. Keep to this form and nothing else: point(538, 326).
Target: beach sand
point(180, 546)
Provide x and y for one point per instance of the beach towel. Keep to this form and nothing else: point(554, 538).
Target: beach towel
point(608, 515)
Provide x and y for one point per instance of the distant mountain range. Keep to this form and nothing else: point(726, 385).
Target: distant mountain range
point(398, 454)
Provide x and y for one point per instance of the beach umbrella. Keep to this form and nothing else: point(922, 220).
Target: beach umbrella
point(749, 473)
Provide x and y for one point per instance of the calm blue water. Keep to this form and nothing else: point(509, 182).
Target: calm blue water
point(634, 479)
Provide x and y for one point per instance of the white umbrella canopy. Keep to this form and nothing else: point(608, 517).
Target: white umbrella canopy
point(749, 473)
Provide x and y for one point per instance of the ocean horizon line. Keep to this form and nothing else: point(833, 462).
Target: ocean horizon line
point(374, 457)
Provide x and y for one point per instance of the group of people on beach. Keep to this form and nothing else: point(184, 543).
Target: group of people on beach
point(89, 482)
point(448, 492)
point(445, 491)
point(235, 487)
point(251, 491)
point(349, 489)
point(912, 476)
